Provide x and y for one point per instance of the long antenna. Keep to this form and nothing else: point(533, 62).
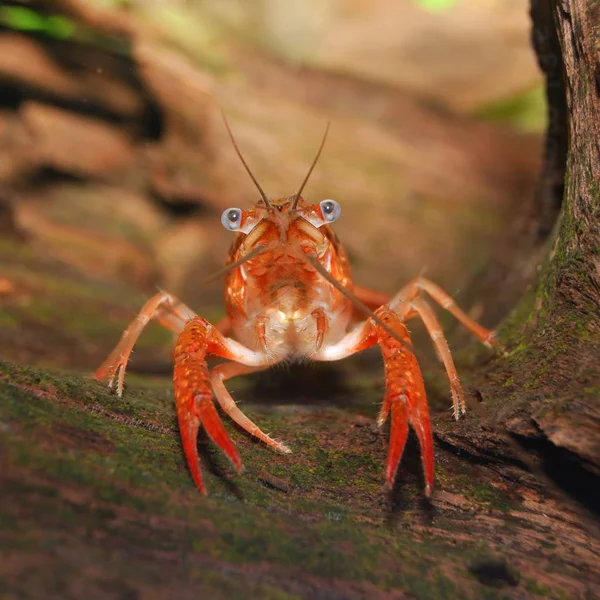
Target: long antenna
point(297, 198)
point(262, 194)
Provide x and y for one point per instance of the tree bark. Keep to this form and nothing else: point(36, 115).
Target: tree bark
point(553, 336)
point(544, 392)
point(566, 317)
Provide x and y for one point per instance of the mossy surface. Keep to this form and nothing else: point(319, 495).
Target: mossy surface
point(90, 479)
point(97, 495)
point(58, 317)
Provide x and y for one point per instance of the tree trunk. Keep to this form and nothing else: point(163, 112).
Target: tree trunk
point(96, 500)
point(545, 389)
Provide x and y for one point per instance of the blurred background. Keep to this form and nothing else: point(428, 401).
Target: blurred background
point(115, 165)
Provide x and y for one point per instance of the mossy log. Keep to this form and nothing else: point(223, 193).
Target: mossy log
point(96, 500)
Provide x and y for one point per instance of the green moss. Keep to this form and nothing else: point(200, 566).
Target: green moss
point(533, 587)
point(485, 494)
point(231, 587)
point(130, 466)
point(93, 396)
point(70, 437)
point(512, 331)
point(525, 112)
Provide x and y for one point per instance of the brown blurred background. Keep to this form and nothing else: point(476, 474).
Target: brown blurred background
point(115, 164)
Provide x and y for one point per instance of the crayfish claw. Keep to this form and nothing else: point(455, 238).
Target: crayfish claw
point(210, 420)
point(405, 402)
point(188, 427)
point(193, 398)
point(398, 437)
point(195, 410)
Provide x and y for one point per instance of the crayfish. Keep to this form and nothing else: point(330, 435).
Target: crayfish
point(289, 295)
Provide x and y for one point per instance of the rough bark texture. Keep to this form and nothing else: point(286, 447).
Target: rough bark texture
point(548, 51)
point(570, 289)
point(97, 502)
point(546, 394)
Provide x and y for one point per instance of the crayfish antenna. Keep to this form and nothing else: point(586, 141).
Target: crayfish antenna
point(239, 153)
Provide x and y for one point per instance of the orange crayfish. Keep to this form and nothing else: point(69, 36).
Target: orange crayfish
point(289, 294)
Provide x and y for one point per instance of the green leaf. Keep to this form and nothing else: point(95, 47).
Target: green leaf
point(20, 18)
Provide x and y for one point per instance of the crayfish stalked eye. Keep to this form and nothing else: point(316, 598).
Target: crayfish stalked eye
point(327, 211)
point(330, 210)
point(232, 219)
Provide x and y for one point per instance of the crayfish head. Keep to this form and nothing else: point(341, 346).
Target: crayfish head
point(284, 222)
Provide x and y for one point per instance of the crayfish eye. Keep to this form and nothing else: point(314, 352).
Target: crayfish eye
point(232, 219)
point(330, 210)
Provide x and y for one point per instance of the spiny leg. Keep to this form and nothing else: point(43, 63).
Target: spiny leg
point(409, 303)
point(446, 301)
point(167, 310)
point(436, 333)
point(193, 393)
point(225, 371)
point(412, 290)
